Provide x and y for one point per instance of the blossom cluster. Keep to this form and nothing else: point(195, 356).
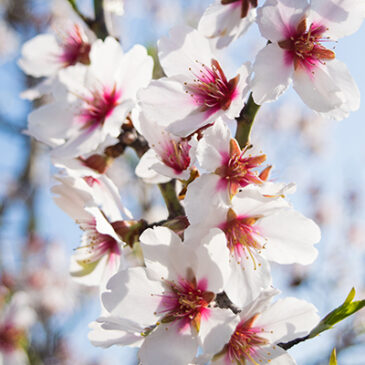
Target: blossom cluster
point(197, 287)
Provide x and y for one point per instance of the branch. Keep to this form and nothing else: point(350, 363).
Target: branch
point(345, 310)
point(99, 25)
point(76, 9)
point(168, 191)
point(245, 121)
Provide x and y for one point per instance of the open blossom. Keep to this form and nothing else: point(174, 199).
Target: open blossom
point(169, 156)
point(262, 326)
point(171, 300)
point(16, 317)
point(227, 20)
point(299, 33)
point(229, 167)
point(102, 252)
point(46, 54)
point(258, 228)
point(97, 99)
point(197, 90)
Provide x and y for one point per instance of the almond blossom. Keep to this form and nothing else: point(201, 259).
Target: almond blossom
point(102, 251)
point(197, 90)
point(230, 167)
point(298, 33)
point(258, 228)
point(96, 101)
point(46, 54)
point(262, 326)
point(169, 156)
point(16, 317)
point(171, 301)
point(227, 20)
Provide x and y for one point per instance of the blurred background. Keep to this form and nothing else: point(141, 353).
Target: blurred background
point(324, 158)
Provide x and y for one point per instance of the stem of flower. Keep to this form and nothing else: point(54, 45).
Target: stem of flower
point(168, 191)
point(245, 121)
point(99, 25)
point(78, 12)
point(292, 343)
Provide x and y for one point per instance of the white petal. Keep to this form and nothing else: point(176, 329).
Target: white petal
point(135, 71)
point(321, 90)
point(216, 331)
point(165, 101)
point(277, 19)
point(288, 319)
point(192, 122)
point(40, 56)
point(247, 279)
point(242, 89)
point(131, 295)
point(213, 260)
point(165, 170)
point(341, 17)
point(350, 93)
point(181, 51)
point(101, 335)
point(214, 146)
point(144, 169)
point(272, 74)
point(250, 203)
point(51, 123)
point(207, 188)
point(164, 253)
point(273, 355)
point(166, 345)
point(219, 20)
point(290, 237)
point(105, 57)
point(85, 142)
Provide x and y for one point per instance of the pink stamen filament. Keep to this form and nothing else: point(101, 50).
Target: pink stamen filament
point(98, 244)
point(211, 90)
point(175, 154)
point(98, 107)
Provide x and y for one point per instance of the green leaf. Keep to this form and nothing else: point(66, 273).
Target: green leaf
point(333, 359)
point(343, 311)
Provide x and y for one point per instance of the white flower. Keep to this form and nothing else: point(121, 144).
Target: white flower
point(97, 100)
point(170, 302)
point(169, 156)
point(230, 167)
point(102, 252)
point(227, 20)
point(46, 54)
point(258, 228)
point(296, 52)
point(15, 319)
point(197, 90)
point(262, 326)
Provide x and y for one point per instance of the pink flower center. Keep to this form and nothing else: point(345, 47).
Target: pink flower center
point(186, 301)
point(176, 155)
point(241, 235)
point(245, 5)
point(211, 90)
point(304, 46)
point(10, 338)
point(98, 107)
point(97, 245)
point(236, 169)
point(243, 343)
point(75, 48)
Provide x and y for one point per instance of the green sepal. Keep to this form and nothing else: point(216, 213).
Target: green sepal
point(343, 311)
